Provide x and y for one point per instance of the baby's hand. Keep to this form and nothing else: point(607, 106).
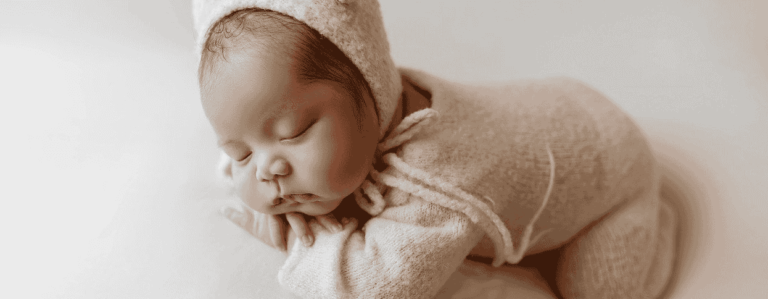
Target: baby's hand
point(300, 229)
point(272, 229)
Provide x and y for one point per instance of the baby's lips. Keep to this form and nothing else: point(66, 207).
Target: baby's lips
point(302, 198)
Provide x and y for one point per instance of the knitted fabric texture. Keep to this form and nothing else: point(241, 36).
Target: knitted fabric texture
point(479, 212)
point(355, 26)
point(497, 148)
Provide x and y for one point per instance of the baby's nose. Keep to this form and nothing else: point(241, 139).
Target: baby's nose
point(277, 167)
point(280, 167)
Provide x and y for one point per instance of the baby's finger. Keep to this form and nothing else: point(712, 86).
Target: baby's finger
point(349, 222)
point(277, 231)
point(240, 217)
point(330, 222)
point(300, 227)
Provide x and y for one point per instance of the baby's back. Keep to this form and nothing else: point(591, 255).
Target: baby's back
point(492, 142)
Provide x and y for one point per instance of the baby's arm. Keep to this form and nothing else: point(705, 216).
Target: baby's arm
point(407, 251)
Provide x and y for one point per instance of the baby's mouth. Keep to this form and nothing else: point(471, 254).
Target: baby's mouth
point(301, 198)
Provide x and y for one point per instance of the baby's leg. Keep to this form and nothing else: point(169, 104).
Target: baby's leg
point(481, 280)
point(628, 254)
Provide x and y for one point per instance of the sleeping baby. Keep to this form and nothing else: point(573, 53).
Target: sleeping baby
point(315, 119)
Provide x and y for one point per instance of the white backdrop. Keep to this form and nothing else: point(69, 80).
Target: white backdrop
point(104, 134)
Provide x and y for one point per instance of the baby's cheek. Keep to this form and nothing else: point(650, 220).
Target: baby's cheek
point(237, 179)
point(333, 160)
point(328, 168)
point(343, 174)
point(332, 176)
point(239, 185)
point(243, 188)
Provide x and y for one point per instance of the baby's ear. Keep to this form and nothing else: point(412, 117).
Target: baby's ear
point(224, 169)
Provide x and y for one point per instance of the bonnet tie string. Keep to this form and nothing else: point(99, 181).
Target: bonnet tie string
point(478, 211)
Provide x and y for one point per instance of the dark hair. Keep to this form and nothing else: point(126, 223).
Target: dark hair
point(315, 57)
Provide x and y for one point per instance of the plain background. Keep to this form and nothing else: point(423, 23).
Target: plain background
point(103, 134)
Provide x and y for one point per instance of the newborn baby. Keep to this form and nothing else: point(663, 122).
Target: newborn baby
point(314, 118)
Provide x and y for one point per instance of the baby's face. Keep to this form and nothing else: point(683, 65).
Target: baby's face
point(295, 146)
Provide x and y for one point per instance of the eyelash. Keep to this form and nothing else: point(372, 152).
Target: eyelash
point(285, 139)
point(300, 134)
point(244, 158)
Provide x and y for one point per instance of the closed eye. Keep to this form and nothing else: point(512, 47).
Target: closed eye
point(243, 158)
point(300, 133)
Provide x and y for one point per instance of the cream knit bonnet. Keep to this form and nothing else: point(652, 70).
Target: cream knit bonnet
point(354, 26)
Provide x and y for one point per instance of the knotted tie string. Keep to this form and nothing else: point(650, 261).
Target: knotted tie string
point(478, 211)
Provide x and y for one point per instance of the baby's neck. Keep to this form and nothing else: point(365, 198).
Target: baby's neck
point(413, 99)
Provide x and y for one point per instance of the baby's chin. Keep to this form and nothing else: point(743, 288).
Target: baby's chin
point(319, 208)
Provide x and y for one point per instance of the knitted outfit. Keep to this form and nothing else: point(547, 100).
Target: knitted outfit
point(500, 172)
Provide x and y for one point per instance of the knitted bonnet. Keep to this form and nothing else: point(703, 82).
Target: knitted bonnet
point(354, 26)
